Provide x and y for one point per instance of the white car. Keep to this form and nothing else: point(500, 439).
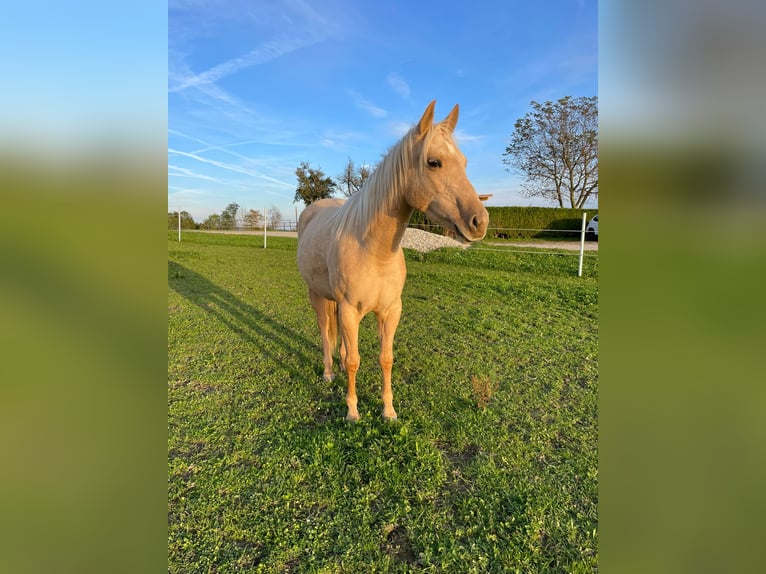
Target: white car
point(591, 231)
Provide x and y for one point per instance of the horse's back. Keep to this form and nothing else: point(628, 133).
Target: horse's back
point(322, 206)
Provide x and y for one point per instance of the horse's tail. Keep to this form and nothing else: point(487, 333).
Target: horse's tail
point(333, 322)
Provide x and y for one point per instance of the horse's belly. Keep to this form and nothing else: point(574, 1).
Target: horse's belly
point(317, 279)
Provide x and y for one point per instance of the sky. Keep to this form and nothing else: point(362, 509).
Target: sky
point(255, 87)
point(81, 76)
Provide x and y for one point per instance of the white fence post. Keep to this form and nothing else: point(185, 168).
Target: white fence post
point(582, 244)
point(265, 223)
point(179, 225)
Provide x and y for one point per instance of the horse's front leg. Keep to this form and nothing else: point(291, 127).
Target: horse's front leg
point(388, 320)
point(349, 320)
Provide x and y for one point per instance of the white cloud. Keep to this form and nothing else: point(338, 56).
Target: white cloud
point(398, 129)
point(263, 54)
point(228, 166)
point(463, 137)
point(366, 105)
point(175, 171)
point(399, 85)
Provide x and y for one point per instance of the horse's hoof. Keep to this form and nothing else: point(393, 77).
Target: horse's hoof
point(328, 378)
point(391, 418)
point(352, 418)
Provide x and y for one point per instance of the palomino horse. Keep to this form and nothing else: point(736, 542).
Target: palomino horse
point(349, 252)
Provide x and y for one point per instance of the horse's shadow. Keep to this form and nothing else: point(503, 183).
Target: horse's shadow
point(276, 342)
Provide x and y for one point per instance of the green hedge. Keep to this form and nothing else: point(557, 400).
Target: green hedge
point(522, 222)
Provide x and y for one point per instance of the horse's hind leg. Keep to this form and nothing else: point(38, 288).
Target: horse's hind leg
point(326, 311)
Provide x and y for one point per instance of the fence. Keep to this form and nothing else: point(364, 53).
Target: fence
point(282, 225)
point(539, 247)
point(568, 243)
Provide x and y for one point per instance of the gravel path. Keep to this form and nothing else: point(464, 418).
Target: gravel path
point(413, 238)
point(424, 241)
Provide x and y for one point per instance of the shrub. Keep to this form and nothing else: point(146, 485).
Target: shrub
point(521, 222)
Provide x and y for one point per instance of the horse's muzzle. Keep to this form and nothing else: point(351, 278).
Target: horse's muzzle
point(477, 226)
point(473, 228)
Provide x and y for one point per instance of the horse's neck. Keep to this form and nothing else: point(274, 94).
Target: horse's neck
point(384, 234)
point(384, 230)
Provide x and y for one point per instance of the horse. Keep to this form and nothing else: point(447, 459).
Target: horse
point(349, 251)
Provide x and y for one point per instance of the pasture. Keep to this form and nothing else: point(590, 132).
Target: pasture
point(491, 467)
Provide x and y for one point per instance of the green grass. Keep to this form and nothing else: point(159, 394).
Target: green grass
point(266, 476)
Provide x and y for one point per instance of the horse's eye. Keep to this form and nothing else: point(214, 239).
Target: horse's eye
point(434, 162)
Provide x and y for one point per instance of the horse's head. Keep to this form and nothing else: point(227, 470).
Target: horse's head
point(441, 189)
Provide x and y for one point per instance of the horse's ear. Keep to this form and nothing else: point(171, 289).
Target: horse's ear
point(427, 119)
point(451, 119)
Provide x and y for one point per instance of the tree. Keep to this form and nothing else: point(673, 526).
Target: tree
point(275, 217)
point(253, 219)
point(212, 222)
point(312, 184)
point(187, 221)
point(229, 216)
point(556, 147)
point(353, 178)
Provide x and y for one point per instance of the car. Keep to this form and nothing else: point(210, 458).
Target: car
point(591, 231)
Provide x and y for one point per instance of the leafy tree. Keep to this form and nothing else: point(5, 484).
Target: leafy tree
point(353, 178)
point(229, 216)
point(253, 219)
point(556, 147)
point(212, 222)
point(312, 184)
point(187, 221)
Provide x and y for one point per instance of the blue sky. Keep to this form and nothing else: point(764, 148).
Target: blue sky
point(82, 76)
point(257, 87)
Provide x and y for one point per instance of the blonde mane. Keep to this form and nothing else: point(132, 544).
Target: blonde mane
point(383, 191)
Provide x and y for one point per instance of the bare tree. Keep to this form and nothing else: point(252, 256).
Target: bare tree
point(274, 216)
point(352, 178)
point(556, 147)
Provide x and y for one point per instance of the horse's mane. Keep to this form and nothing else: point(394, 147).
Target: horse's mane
point(384, 188)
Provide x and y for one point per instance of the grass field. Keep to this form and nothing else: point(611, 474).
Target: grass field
point(492, 466)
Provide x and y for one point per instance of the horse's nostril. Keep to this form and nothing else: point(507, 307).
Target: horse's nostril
point(478, 223)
